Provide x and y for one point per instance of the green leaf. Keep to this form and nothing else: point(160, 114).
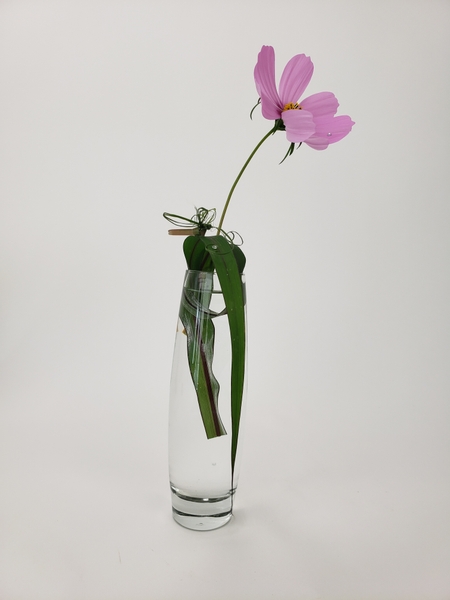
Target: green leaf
point(226, 262)
point(196, 256)
point(209, 254)
point(240, 258)
point(196, 318)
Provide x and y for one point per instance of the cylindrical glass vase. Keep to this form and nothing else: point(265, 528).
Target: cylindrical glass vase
point(200, 471)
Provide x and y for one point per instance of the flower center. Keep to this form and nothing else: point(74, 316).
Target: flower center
point(292, 106)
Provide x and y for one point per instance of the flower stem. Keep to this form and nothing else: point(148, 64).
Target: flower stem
point(219, 228)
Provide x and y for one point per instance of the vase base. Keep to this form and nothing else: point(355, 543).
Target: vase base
point(201, 514)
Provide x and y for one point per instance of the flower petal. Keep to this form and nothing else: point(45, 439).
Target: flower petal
point(323, 104)
point(265, 83)
point(295, 78)
point(299, 125)
point(329, 130)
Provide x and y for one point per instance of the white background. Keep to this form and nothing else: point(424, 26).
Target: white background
point(114, 111)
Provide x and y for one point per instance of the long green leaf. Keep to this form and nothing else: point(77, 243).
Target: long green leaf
point(196, 318)
point(209, 253)
point(196, 256)
point(228, 270)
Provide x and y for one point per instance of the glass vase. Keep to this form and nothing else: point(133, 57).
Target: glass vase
point(202, 480)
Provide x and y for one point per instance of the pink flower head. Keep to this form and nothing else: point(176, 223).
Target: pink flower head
point(311, 120)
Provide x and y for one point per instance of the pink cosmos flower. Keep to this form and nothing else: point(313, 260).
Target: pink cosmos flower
point(311, 120)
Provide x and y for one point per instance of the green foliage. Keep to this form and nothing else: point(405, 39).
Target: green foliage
point(196, 317)
point(208, 254)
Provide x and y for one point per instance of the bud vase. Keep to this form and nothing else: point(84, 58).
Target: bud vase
point(202, 480)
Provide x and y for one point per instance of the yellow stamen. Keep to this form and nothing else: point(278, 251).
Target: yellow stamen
point(292, 106)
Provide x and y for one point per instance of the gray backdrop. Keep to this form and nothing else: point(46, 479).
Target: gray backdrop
point(115, 111)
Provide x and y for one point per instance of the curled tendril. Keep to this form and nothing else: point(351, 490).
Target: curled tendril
point(205, 217)
point(256, 105)
point(234, 238)
point(202, 219)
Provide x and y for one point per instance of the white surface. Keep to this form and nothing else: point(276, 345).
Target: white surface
point(112, 112)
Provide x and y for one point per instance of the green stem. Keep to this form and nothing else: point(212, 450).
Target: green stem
point(219, 228)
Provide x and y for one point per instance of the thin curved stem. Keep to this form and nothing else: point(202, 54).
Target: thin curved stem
point(236, 181)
